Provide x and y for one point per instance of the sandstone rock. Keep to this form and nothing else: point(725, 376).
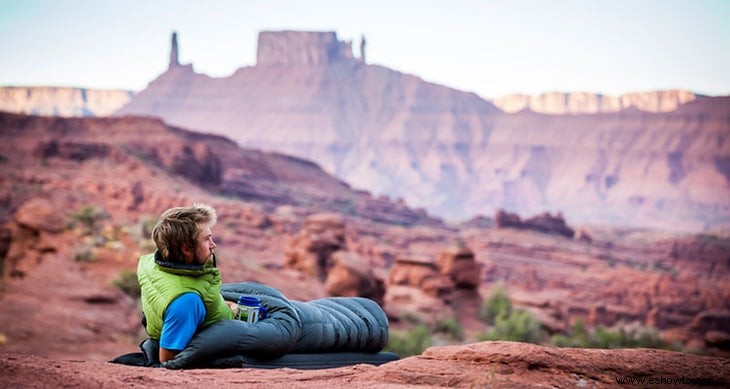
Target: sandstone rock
point(75, 151)
point(714, 320)
point(414, 304)
point(557, 103)
point(412, 270)
point(484, 364)
point(351, 276)
point(61, 101)
point(174, 56)
point(5, 240)
point(41, 215)
point(193, 160)
point(718, 339)
point(439, 286)
point(310, 251)
point(460, 266)
point(301, 48)
point(544, 222)
point(389, 132)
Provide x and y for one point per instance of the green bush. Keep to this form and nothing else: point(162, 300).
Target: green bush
point(452, 328)
point(601, 337)
point(89, 217)
point(647, 337)
point(576, 337)
point(85, 254)
point(128, 283)
point(410, 342)
point(498, 304)
point(518, 326)
point(147, 224)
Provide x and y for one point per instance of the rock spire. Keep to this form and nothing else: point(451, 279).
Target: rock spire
point(362, 48)
point(174, 60)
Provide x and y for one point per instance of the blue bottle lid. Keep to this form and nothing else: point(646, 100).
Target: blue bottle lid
point(249, 301)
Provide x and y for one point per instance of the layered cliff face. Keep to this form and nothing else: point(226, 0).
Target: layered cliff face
point(301, 48)
point(78, 194)
point(455, 153)
point(559, 103)
point(214, 163)
point(65, 102)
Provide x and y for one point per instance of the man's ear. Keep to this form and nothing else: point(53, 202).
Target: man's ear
point(186, 253)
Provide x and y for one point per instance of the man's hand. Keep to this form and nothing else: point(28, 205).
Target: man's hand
point(233, 306)
point(166, 355)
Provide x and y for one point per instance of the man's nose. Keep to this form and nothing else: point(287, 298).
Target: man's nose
point(212, 244)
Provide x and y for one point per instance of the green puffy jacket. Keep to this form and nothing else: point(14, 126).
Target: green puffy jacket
point(162, 282)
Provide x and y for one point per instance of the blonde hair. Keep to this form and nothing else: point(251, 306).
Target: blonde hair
point(179, 227)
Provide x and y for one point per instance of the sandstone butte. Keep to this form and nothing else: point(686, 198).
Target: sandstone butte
point(78, 194)
point(647, 159)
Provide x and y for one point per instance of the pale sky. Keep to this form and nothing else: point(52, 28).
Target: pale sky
point(492, 48)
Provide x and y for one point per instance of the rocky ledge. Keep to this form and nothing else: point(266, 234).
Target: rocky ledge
point(485, 364)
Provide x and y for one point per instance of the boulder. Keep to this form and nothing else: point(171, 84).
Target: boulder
point(40, 215)
point(459, 264)
point(352, 276)
point(544, 222)
point(719, 339)
point(310, 251)
point(412, 270)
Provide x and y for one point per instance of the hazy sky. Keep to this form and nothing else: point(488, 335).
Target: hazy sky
point(489, 47)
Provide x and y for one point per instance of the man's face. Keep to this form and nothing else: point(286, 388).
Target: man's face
point(204, 251)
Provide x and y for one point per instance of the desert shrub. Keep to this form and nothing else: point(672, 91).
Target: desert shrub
point(409, 342)
point(498, 304)
point(89, 218)
point(647, 337)
point(452, 328)
point(84, 254)
point(147, 224)
point(518, 325)
point(602, 337)
point(128, 283)
point(576, 337)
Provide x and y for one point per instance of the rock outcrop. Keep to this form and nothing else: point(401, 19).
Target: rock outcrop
point(32, 234)
point(559, 103)
point(213, 162)
point(111, 174)
point(351, 275)
point(544, 222)
point(486, 364)
point(311, 250)
point(174, 55)
point(391, 132)
point(426, 288)
point(459, 264)
point(64, 102)
point(301, 48)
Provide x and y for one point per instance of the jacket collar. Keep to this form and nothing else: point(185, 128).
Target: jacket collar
point(184, 268)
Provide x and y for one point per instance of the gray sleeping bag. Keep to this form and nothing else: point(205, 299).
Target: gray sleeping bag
point(328, 325)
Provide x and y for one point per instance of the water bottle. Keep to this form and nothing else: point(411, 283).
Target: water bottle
point(250, 309)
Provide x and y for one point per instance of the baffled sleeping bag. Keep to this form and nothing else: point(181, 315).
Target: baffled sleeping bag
point(334, 325)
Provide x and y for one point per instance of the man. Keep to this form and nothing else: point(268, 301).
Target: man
point(180, 282)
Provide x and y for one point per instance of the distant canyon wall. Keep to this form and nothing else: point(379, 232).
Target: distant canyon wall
point(663, 164)
point(655, 159)
point(62, 101)
point(81, 102)
point(560, 103)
